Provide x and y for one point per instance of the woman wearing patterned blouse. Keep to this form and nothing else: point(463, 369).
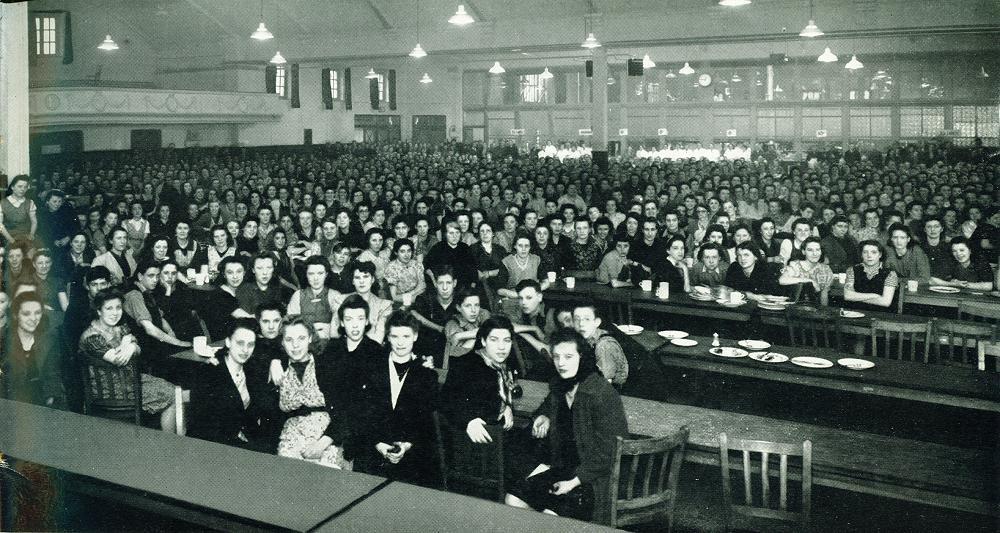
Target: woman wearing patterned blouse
point(109, 339)
point(307, 431)
point(811, 273)
point(404, 274)
point(870, 283)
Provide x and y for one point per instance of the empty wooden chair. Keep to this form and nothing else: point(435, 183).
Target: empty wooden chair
point(955, 341)
point(979, 312)
point(812, 328)
point(988, 355)
point(761, 511)
point(646, 492)
point(469, 468)
point(111, 391)
point(900, 340)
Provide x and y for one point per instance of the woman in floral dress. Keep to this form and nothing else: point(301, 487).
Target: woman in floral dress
point(307, 434)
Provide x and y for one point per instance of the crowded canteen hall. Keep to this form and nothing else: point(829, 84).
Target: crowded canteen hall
point(513, 265)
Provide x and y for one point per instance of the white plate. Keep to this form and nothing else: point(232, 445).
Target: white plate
point(701, 298)
point(671, 334)
point(772, 307)
point(812, 362)
point(768, 357)
point(754, 345)
point(856, 364)
point(944, 290)
point(208, 352)
point(684, 342)
point(630, 330)
point(727, 303)
point(851, 314)
point(701, 290)
point(776, 299)
point(728, 351)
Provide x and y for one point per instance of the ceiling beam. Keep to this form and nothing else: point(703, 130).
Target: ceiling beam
point(212, 18)
point(386, 25)
point(475, 11)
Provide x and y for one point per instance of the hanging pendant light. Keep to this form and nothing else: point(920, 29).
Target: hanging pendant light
point(982, 73)
point(647, 63)
point(611, 80)
point(497, 69)
point(591, 42)
point(418, 52)
point(734, 3)
point(827, 56)
point(811, 29)
point(670, 74)
point(278, 59)
point(736, 77)
point(546, 75)
point(686, 69)
point(461, 18)
point(854, 64)
point(778, 89)
point(426, 79)
point(108, 44)
point(261, 33)
point(371, 74)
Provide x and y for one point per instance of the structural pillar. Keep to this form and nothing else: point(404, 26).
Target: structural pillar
point(14, 88)
point(599, 109)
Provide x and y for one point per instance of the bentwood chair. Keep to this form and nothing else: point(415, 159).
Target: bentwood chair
point(900, 339)
point(764, 512)
point(812, 329)
point(988, 350)
point(979, 312)
point(469, 468)
point(644, 479)
point(111, 391)
point(955, 341)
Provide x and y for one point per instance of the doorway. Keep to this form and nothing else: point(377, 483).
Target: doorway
point(429, 129)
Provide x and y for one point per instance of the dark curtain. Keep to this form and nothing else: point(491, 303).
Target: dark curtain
point(324, 84)
point(510, 90)
point(295, 85)
point(348, 103)
point(270, 79)
point(373, 92)
point(392, 89)
point(67, 40)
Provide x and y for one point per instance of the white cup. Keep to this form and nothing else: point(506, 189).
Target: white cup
point(736, 297)
point(201, 278)
point(191, 274)
point(646, 285)
point(407, 299)
point(552, 277)
point(204, 271)
point(663, 291)
point(570, 282)
point(911, 285)
point(200, 344)
point(842, 277)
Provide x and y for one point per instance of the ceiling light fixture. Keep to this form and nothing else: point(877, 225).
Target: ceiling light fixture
point(811, 29)
point(108, 44)
point(261, 33)
point(461, 18)
point(418, 52)
point(546, 75)
point(371, 74)
point(686, 69)
point(278, 59)
point(982, 73)
point(591, 42)
point(736, 77)
point(670, 74)
point(426, 79)
point(497, 68)
point(647, 63)
point(778, 89)
point(734, 3)
point(827, 56)
point(854, 64)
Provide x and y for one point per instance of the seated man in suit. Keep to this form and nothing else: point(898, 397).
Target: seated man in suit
point(229, 405)
point(395, 437)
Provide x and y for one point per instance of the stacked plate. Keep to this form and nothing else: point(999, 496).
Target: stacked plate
point(944, 289)
point(773, 303)
point(701, 293)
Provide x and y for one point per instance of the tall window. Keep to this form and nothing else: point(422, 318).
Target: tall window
point(921, 121)
point(334, 84)
point(973, 121)
point(532, 89)
point(383, 94)
point(279, 80)
point(45, 35)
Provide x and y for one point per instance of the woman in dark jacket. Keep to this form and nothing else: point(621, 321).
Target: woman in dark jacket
point(582, 417)
point(750, 273)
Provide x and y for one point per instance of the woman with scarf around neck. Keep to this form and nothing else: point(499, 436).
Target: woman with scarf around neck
point(582, 418)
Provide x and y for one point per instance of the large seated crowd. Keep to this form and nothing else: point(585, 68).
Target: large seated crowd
point(335, 279)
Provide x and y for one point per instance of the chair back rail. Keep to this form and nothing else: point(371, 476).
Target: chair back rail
point(463, 463)
point(901, 335)
point(988, 349)
point(956, 342)
point(766, 507)
point(647, 489)
point(979, 312)
point(813, 329)
point(111, 391)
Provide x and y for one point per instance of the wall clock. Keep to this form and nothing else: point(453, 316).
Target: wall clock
point(705, 80)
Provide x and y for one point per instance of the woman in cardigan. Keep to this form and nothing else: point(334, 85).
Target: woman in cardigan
point(582, 417)
point(18, 219)
point(906, 258)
